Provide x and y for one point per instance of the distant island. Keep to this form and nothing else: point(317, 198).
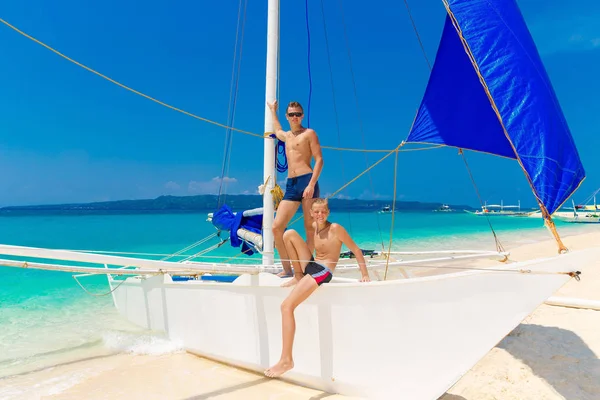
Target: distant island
point(169, 204)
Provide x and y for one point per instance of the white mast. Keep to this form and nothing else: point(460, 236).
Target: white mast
point(269, 175)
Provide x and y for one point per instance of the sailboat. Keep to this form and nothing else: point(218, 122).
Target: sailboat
point(444, 208)
point(409, 338)
point(584, 214)
point(385, 210)
point(499, 210)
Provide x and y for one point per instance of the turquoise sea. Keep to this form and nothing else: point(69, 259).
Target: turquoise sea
point(47, 319)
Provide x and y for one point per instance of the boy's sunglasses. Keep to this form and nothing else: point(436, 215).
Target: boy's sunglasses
point(294, 114)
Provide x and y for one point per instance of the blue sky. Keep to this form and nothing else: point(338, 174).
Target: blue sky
point(67, 135)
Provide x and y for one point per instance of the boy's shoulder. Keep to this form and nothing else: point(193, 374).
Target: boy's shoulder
point(336, 227)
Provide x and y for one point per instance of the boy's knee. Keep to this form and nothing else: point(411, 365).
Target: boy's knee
point(287, 307)
point(287, 235)
point(277, 228)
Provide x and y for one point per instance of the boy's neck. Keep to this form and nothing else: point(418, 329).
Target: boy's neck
point(323, 226)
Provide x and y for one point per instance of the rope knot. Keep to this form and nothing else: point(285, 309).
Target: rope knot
point(575, 274)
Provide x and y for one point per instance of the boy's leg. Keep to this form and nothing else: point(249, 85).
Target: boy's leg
point(308, 227)
point(285, 212)
point(303, 289)
point(298, 253)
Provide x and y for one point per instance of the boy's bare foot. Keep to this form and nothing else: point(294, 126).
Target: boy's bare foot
point(290, 283)
point(284, 274)
point(279, 369)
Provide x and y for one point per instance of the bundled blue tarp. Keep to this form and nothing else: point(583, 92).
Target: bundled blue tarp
point(225, 219)
point(489, 92)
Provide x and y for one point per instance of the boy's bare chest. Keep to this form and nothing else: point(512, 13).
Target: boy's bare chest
point(297, 143)
point(326, 243)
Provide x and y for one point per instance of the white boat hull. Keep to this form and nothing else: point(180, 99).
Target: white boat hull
point(405, 339)
point(581, 219)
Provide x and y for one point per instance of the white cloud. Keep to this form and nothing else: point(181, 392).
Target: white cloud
point(582, 41)
point(211, 186)
point(172, 186)
point(368, 195)
point(576, 38)
point(565, 30)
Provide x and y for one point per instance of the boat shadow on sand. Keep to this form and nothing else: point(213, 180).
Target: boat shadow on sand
point(247, 385)
point(230, 389)
point(558, 356)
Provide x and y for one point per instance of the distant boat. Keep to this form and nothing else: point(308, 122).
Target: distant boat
point(587, 218)
point(385, 210)
point(587, 214)
point(444, 208)
point(500, 210)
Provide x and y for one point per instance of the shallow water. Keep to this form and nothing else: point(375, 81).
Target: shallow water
point(47, 319)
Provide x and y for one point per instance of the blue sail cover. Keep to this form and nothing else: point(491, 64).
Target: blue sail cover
point(225, 219)
point(498, 66)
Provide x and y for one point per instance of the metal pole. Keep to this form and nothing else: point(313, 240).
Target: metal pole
point(269, 175)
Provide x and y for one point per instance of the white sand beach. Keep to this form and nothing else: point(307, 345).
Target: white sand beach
point(553, 354)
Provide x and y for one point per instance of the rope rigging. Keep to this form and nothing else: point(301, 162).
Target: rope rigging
point(179, 110)
point(358, 113)
point(280, 156)
point(282, 163)
point(393, 216)
point(233, 92)
point(499, 246)
point(335, 110)
point(308, 64)
point(372, 264)
point(280, 149)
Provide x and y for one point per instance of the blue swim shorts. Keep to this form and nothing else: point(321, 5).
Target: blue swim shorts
point(295, 186)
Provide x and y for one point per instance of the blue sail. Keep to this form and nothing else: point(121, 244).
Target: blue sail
point(489, 92)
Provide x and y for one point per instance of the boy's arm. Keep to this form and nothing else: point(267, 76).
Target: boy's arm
point(315, 149)
point(277, 128)
point(345, 238)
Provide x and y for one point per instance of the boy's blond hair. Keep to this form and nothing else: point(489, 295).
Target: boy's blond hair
point(320, 201)
point(294, 104)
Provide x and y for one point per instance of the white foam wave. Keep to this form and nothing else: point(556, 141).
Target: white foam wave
point(31, 387)
point(142, 344)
